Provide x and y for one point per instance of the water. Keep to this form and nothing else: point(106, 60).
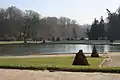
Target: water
point(54, 48)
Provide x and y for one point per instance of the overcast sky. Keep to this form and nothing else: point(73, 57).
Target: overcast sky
point(83, 11)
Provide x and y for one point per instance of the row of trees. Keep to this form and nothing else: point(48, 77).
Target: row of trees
point(114, 25)
point(110, 29)
point(17, 24)
point(97, 30)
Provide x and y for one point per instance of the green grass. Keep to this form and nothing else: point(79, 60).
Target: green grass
point(53, 62)
point(11, 42)
point(19, 42)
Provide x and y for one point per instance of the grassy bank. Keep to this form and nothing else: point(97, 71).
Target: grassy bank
point(90, 42)
point(21, 42)
point(11, 42)
point(55, 64)
point(48, 63)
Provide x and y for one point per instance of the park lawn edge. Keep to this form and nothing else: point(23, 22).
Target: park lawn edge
point(72, 69)
point(53, 68)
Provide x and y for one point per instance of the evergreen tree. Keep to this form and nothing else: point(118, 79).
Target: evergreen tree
point(113, 25)
point(93, 34)
point(101, 30)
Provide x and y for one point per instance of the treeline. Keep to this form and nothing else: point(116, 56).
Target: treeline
point(16, 24)
point(109, 29)
point(97, 30)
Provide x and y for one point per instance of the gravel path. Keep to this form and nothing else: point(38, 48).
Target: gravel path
point(39, 75)
point(113, 60)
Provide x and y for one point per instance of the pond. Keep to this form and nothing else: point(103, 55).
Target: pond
point(54, 48)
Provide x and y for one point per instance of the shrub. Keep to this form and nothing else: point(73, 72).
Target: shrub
point(82, 38)
point(94, 52)
point(58, 39)
point(44, 41)
point(80, 59)
point(53, 38)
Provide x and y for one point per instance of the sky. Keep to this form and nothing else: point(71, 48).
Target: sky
point(83, 11)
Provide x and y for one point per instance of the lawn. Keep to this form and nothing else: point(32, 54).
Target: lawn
point(59, 62)
point(55, 64)
point(17, 42)
point(11, 42)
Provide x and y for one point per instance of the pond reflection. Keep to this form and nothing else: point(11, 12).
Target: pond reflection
point(53, 48)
